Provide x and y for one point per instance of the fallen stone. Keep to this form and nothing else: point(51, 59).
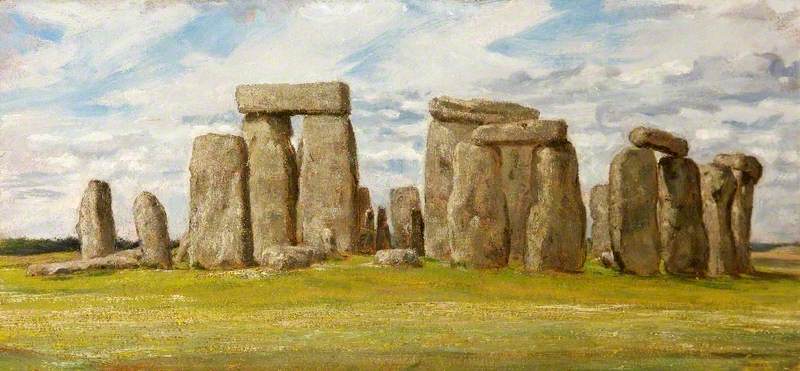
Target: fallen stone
point(272, 181)
point(219, 234)
point(328, 182)
point(601, 233)
point(397, 258)
point(718, 186)
point(633, 199)
point(417, 232)
point(683, 236)
point(476, 212)
point(520, 191)
point(96, 221)
point(125, 259)
point(383, 238)
point(284, 258)
point(479, 111)
point(401, 201)
point(151, 227)
point(529, 132)
point(557, 221)
point(659, 140)
point(319, 98)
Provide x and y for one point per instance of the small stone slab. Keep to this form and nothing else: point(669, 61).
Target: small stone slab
point(125, 259)
point(284, 258)
point(318, 98)
point(739, 161)
point(528, 132)
point(479, 111)
point(397, 258)
point(659, 140)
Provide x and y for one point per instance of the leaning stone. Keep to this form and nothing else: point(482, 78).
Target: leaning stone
point(738, 161)
point(601, 233)
point(529, 132)
point(748, 171)
point(718, 186)
point(272, 181)
point(479, 111)
point(125, 259)
point(328, 182)
point(96, 221)
point(383, 238)
point(520, 191)
point(401, 201)
point(683, 237)
point(557, 222)
point(633, 199)
point(219, 211)
point(319, 98)
point(397, 258)
point(151, 227)
point(659, 140)
point(476, 212)
point(417, 232)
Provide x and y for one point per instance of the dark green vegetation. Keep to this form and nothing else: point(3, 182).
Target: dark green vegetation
point(349, 314)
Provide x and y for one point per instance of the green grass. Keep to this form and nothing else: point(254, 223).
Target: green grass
point(348, 314)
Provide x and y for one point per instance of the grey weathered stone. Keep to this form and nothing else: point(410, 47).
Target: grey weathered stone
point(284, 258)
point(417, 232)
point(529, 132)
point(366, 222)
point(328, 181)
point(748, 171)
point(633, 198)
point(181, 254)
point(219, 213)
point(601, 233)
point(476, 212)
point(479, 111)
point(659, 140)
point(96, 221)
point(125, 259)
point(397, 258)
point(520, 191)
point(680, 213)
point(718, 186)
point(151, 227)
point(272, 181)
point(557, 221)
point(401, 201)
point(318, 98)
point(607, 260)
point(383, 238)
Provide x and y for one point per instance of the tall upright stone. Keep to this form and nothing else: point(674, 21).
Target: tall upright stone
point(328, 181)
point(365, 222)
point(633, 199)
point(272, 181)
point(520, 191)
point(219, 235)
point(383, 238)
point(601, 233)
point(96, 221)
point(557, 221)
point(417, 232)
point(453, 122)
point(476, 211)
point(718, 186)
point(683, 236)
point(402, 201)
point(151, 227)
point(747, 170)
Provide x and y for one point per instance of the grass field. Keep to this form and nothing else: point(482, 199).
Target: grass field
point(349, 314)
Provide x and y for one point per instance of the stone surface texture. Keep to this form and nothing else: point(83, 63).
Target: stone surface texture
point(96, 221)
point(718, 186)
point(402, 201)
point(529, 132)
point(318, 98)
point(601, 232)
point(151, 227)
point(520, 190)
point(125, 259)
point(397, 258)
point(659, 140)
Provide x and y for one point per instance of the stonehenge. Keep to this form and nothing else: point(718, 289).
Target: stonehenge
point(718, 186)
point(402, 201)
point(598, 207)
point(96, 221)
point(151, 227)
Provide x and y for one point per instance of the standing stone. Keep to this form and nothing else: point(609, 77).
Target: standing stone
point(477, 216)
point(366, 222)
point(96, 221)
point(520, 191)
point(453, 122)
point(151, 227)
point(633, 198)
point(401, 202)
point(683, 236)
point(557, 222)
point(718, 186)
point(417, 232)
point(383, 239)
point(601, 234)
point(747, 170)
point(328, 181)
point(272, 181)
point(219, 212)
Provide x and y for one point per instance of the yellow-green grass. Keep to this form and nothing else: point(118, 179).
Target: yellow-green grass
point(349, 314)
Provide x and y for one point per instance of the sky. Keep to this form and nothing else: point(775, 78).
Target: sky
point(117, 90)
